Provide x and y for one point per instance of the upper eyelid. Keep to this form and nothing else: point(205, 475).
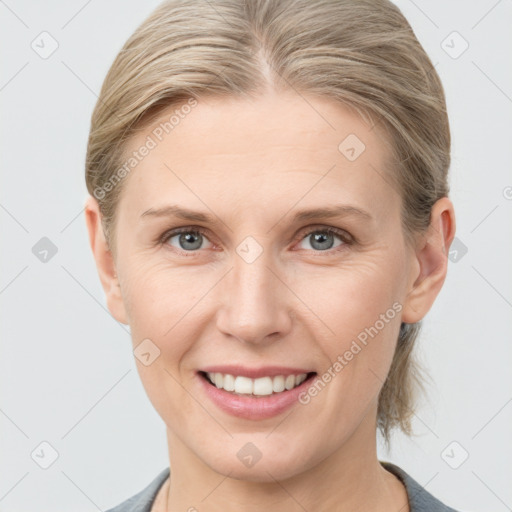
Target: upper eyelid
point(302, 233)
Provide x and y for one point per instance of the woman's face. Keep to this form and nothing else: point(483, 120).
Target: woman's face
point(253, 285)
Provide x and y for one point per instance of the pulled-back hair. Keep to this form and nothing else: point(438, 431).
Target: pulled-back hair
point(362, 53)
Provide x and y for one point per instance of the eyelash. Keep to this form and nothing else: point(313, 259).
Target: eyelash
point(344, 236)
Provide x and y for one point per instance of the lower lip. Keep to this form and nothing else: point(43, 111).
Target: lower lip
point(253, 408)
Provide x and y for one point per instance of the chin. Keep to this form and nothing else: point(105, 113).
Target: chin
point(261, 472)
point(243, 463)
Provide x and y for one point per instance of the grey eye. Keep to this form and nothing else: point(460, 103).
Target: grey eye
point(322, 240)
point(187, 240)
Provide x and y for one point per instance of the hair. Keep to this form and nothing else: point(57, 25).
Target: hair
point(361, 53)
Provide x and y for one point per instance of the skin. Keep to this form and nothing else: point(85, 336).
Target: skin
point(254, 163)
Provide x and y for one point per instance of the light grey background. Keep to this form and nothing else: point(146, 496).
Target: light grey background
point(67, 371)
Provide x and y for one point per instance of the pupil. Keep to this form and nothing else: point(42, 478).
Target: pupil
point(320, 239)
point(188, 238)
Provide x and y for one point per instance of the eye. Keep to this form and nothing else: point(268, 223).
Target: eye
point(320, 239)
point(323, 239)
point(188, 240)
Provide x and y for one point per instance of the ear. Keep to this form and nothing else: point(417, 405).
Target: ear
point(431, 262)
point(104, 261)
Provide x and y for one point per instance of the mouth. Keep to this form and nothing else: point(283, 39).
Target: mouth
point(254, 393)
point(260, 387)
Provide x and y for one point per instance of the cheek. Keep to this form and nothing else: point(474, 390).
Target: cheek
point(165, 304)
point(162, 300)
point(165, 307)
point(148, 289)
point(348, 298)
point(359, 307)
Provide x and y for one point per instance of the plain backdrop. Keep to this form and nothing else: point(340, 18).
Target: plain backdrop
point(68, 376)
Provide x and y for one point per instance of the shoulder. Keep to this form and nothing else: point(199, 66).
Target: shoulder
point(420, 500)
point(142, 501)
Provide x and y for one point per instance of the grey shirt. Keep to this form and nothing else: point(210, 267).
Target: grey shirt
point(420, 500)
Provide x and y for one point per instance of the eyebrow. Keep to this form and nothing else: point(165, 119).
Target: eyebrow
point(335, 211)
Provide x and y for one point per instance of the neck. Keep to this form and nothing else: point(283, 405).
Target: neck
point(351, 478)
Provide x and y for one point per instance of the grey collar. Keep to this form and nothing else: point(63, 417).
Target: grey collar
point(420, 500)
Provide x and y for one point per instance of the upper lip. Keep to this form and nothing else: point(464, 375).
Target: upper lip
point(254, 373)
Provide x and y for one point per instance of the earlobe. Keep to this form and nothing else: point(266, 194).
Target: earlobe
point(431, 262)
point(105, 263)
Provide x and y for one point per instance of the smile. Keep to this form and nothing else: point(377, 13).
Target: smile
point(263, 386)
point(254, 393)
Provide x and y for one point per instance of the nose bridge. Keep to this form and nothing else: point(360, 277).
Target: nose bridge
point(254, 303)
point(253, 284)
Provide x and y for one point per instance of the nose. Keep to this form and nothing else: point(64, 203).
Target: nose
point(256, 304)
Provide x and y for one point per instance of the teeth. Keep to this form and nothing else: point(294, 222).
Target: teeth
point(229, 382)
point(263, 386)
point(289, 383)
point(278, 384)
point(242, 384)
point(300, 379)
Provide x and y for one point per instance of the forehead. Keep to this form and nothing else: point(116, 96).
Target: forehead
point(247, 152)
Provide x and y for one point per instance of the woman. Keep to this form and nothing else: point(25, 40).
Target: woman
point(269, 215)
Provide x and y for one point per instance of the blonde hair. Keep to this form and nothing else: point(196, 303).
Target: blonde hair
point(362, 53)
